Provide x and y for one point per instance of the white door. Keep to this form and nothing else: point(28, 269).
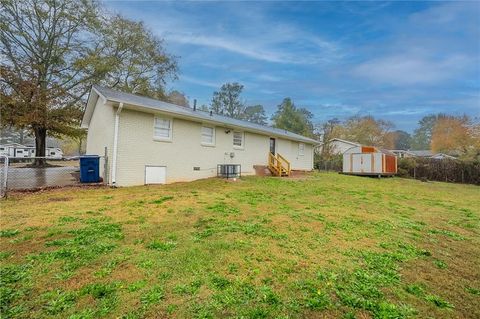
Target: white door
point(366, 163)
point(155, 174)
point(362, 163)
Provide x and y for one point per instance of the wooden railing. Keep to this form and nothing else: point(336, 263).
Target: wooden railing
point(285, 164)
point(278, 165)
point(273, 164)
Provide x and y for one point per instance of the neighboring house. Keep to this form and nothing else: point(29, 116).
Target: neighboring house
point(442, 156)
point(22, 151)
point(403, 153)
point(150, 141)
point(422, 154)
point(338, 146)
point(52, 152)
point(14, 150)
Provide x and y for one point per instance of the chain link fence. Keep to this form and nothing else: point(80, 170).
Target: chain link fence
point(334, 163)
point(33, 173)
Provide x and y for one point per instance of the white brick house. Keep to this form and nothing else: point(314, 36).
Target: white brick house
point(150, 141)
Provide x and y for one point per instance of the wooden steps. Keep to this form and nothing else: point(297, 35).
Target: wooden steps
point(278, 165)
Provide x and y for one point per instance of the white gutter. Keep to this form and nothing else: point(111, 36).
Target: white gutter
point(115, 144)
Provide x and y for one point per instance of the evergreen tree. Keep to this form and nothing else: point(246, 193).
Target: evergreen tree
point(293, 119)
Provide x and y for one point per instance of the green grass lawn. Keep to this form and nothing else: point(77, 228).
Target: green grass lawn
point(325, 246)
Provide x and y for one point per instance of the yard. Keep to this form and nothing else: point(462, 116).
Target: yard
point(323, 246)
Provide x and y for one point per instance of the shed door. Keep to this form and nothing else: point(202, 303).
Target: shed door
point(155, 174)
point(366, 164)
point(362, 163)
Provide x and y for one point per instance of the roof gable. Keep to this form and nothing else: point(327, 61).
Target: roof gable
point(344, 141)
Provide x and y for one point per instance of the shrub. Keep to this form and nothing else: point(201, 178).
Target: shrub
point(446, 170)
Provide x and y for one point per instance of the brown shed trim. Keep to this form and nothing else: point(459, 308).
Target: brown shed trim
point(368, 149)
point(383, 163)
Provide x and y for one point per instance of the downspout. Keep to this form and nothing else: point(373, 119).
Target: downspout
point(115, 145)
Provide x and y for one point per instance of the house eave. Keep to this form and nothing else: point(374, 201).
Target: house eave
point(93, 97)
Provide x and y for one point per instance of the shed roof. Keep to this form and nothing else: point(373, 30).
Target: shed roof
point(387, 152)
point(149, 104)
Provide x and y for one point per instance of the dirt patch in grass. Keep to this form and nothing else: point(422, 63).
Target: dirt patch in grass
point(60, 199)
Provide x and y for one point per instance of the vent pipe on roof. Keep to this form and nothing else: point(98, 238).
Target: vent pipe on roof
point(194, 104)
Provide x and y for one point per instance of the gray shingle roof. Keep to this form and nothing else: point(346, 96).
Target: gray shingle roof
point(149, 103)
point(423, 153)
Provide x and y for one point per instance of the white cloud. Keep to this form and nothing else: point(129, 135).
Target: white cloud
point(429, 47)
point(232, 45)
point(201, 82)
point(279, 48)
point(384, 63)
point(251, 33)
point(267, 92)
point(412, 69)
point(340, 108)
point(269, 78)
point(254, 35)
point(407, 111)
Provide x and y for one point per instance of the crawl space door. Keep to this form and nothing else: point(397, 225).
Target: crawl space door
point(155, 174)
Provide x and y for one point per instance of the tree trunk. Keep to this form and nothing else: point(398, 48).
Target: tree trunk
point(22, 133)
point(40, 146)
point(80, 144)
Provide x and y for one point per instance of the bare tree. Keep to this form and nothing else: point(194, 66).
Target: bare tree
point(178, 98)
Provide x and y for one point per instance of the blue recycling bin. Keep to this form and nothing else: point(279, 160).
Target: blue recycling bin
point(89, 169)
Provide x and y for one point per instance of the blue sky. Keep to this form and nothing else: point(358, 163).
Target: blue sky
point(394, 60)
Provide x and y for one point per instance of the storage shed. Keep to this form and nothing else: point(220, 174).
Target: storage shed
point(369, 160)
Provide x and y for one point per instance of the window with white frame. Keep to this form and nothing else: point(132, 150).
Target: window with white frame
point(301, 149)
point(208, 135)
point(162, 128)
point(238, 138)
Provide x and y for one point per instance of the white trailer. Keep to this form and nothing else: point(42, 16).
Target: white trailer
point(21, 151)
point(14, 150)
